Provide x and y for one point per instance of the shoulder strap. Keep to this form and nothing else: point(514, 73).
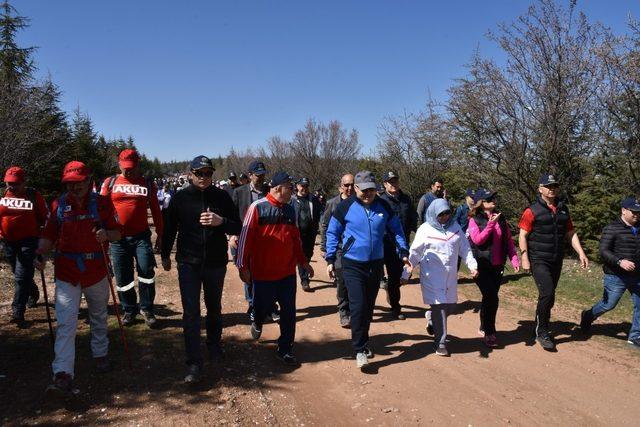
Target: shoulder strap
point(62, 204)
point(112, 182)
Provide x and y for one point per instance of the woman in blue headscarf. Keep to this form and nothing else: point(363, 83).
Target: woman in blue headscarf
point(436, 247)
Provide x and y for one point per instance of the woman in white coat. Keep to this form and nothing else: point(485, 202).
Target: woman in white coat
point(437, 246)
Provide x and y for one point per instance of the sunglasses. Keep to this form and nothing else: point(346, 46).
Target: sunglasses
point(445, 213)
point(201, 174)
point(552, 186)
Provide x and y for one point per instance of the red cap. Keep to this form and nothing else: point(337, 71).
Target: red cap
point(14, 174)
point(128, 158)
point(75, 171)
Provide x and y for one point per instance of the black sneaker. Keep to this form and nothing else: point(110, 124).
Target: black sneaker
point(368, 352)
point(429, 329)
point(193, 374)
point(252, 314)
point(128, 319)
point(546, 342)
point(634, 342)
point(287, 358)
point(150, 319)
point(585, 321)
point(306, 286)
point(275, 316)
point(62, 385)
point(256, 331)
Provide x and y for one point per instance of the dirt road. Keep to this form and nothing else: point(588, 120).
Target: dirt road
point(594, 382)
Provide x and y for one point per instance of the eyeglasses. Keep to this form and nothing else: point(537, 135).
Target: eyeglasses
point(200, 174)
point(445, 213)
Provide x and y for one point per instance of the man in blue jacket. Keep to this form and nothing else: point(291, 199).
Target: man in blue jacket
point(360, 223)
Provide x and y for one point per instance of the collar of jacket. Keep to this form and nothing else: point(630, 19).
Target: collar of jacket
point(273, 201)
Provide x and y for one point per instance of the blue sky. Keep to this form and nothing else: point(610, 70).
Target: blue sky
point(203, 76)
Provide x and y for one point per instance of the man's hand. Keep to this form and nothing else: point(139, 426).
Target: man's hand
point(627, 265)
point(233, 242)
point(210, 219)
point(166, 264)
point(331, 271)
point(101, 235)
point(526, 265)
point(245, 275)
point(307, 267)
point(584, 261)
point(474, 274)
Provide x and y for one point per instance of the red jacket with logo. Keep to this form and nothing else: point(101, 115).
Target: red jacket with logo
point(270, 245)
point(21, 218)
point(79, 237)
point(131, 198)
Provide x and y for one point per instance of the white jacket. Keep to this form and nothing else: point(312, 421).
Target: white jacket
point(437, 253)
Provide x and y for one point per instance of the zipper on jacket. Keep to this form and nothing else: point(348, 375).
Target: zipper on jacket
point(366, 213)
point(204, 232)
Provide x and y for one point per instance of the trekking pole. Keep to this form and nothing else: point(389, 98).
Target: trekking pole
point(123, 338)
point(46, 305)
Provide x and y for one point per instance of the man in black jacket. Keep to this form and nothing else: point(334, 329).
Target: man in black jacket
point(544, 228)
point(307, 209)
point(403, 207)
point(346, 190)
point(201, 215)
point(620, 251)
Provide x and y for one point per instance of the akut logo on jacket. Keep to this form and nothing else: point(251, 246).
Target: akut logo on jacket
point(12, 203)
point(130, 189)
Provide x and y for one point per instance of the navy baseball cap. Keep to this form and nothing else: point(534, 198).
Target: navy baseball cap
point(483, 194)
point(548, 179)
point(365, 180)
point(201, 162)
point(632, 204)
point(243, 176)
point(232, 175)
point(257, 168)
point(469, 192)
point(303, 181)
point(389, 176)
point(279, 178)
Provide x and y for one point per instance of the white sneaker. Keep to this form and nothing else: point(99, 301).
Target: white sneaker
point(362, 360)
point(441, 350)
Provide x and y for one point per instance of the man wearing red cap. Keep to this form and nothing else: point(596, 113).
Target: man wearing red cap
point(131, 195)
point(23, 212)
point(79, 227)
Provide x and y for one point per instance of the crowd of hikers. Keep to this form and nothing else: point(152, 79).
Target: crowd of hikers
point(100, 235)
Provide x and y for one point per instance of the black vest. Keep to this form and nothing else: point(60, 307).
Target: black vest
point(482, 253)
point(546, 240)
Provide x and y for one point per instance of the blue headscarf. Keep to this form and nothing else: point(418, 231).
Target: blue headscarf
point(435, 208)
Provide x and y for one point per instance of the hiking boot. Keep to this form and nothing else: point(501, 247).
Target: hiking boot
point(586, 320)
point(546, 342)
point(306, 286)
point(275, 316)
point(102, 364)
point(287, 358)
point(62, 385)
point(18, 320)
point(256, 331)
point(635, 342)
point(441, 350)
point(150, 319)
point(368, 352)
point(345, 321)
point(193, 374)
point(361, 360)
point(128, 319)
point(491, 341)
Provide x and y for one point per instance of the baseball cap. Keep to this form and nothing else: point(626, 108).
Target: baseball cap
point(365, 180)
point(201, 162)
point(632, 204)
point(243, 176)
point(548, 179)
point(232, 175)
point(389, 175)
point(279, 178)
point(304, 181)
point(75, 171)
point(483, 194)
point(257, 168)
point(14, 174)
point(469, 193)
point(128, 158)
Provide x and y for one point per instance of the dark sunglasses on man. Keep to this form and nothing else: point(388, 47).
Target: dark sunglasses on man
point(203, 174)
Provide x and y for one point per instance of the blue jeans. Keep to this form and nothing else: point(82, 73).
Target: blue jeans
point(20, 256)
point(265, 294)
point(123, 252)
point(193, 277)
point(614, 287)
